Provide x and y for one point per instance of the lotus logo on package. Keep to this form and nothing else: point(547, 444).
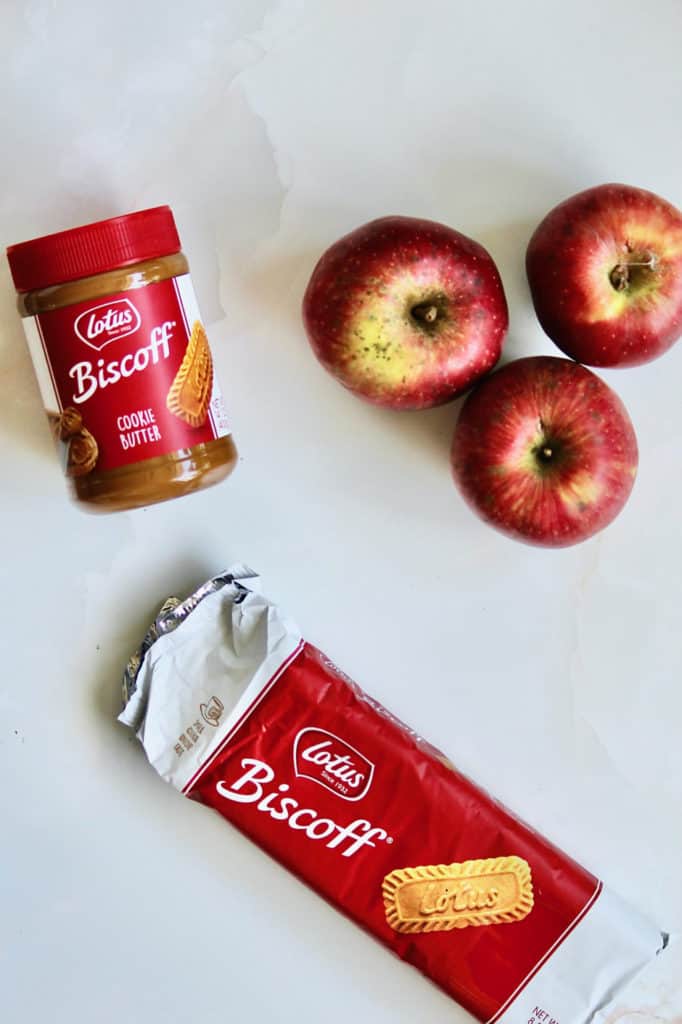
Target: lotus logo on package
point(322, 757)
point(107, 322)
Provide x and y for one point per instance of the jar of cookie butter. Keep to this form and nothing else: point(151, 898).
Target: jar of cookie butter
point(123, 361)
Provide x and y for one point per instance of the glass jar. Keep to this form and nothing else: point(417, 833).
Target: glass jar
point(123, 362)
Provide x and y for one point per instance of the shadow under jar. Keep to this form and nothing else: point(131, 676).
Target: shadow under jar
point(122, 360)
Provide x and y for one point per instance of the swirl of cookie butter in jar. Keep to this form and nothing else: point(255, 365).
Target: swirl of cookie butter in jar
point(123, 361)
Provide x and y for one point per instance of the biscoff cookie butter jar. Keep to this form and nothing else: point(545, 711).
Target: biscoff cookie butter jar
point(123, 361)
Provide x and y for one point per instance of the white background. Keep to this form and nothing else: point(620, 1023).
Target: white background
point(272, 127)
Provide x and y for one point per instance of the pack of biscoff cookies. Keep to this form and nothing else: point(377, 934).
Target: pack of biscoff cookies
point(236, 710)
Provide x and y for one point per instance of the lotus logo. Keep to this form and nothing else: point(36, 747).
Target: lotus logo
point(328, 760)
point(107, 322)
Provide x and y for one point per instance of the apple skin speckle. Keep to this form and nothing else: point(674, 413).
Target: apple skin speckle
point(364, 312)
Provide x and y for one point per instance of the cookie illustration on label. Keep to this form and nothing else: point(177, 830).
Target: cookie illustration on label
point(441, 897)
point(67, 423)
point(190, 392)
point(82, 453)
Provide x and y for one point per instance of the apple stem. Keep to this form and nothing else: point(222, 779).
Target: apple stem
point(620, 275)
point(427, 312)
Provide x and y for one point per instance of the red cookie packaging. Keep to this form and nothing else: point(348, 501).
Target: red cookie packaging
point(237, 711)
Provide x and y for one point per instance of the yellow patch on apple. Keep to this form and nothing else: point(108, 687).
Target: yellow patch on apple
point(583, 490)
point(376, 352)
point(669, 241)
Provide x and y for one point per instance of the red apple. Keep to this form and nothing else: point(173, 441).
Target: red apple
point(545, 451)
point(406, 313)
point(605, 273)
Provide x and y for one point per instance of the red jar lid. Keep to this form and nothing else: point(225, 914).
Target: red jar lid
point(93, 248)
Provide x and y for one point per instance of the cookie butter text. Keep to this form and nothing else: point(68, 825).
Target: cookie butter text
point(138, 427)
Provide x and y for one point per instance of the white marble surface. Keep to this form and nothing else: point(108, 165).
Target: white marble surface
point(272, 126)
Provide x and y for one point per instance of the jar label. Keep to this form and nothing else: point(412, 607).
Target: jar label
point(128, 377)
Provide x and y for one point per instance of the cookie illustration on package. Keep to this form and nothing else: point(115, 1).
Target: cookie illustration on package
point(441, 897)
